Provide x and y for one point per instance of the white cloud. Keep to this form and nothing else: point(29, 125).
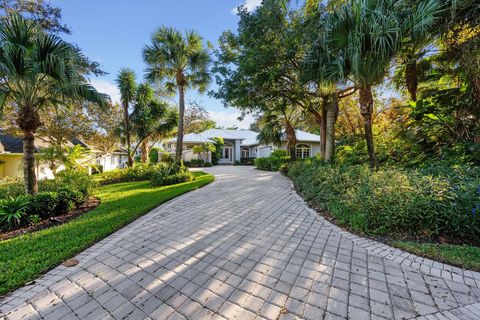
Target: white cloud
point(107, 88)
point(226, 119)
point(249, 4)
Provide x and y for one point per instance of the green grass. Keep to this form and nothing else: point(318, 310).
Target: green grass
point(24, 258)
point(467, 257)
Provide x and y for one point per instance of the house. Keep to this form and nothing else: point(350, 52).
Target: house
point(240, 144)
point(11, 157)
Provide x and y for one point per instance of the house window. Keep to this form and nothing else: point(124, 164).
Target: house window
point(245, 153)
point(302, 151)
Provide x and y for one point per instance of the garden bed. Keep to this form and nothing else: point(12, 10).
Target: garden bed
point(90, 204)
point(429, 212)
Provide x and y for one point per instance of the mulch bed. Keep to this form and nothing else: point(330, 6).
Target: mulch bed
point(90, 204)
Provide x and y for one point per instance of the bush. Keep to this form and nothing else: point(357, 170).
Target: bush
point(44, 204)
point(272, 162)
point(172, 174)
point(153, 154)
point(139, 172)
point(429, 203)
point(11, 188)
point(68, 199)
point(196, 163)
point(167, 157)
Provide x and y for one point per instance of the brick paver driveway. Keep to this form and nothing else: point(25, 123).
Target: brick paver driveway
point(245, 247)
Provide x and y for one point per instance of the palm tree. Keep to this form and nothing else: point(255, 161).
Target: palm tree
point(38, 71)
point(367, 35)
point(126, 84)
point(422, 17)
point(151, 119)
point(178, 61)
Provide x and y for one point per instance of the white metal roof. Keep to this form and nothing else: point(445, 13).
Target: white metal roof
point(248, 137)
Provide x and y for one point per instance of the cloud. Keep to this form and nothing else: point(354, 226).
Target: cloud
point(107, 88)
point(226, 119)
point(249, 4)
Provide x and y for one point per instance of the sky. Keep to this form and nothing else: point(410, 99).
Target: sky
point(113, 33)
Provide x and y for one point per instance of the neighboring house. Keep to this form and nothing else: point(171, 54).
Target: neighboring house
point(244, 144)
point(11, 154)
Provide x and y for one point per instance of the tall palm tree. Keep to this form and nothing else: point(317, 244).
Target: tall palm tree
point(127, 86)
point(178, 61)
point(38, 71)
point(367, 35)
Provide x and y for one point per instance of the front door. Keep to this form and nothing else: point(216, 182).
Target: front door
point(227, 155)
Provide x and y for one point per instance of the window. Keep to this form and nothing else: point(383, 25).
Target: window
point(245, 153)
point(302, 151)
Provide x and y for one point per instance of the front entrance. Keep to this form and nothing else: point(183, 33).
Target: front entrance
point(227, 154)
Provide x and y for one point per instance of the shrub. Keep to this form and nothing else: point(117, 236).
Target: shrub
point(153, 154)
point(171, 174)
point(44, 204)
point(139, 172)
point(13, 212)
point(167, 157)
point(68, 199)
point(11, 188)
point(247, 161)
point(272, 162)
point(196, 163)
point(428, 203)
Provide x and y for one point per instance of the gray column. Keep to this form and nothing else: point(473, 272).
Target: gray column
point(237, 152)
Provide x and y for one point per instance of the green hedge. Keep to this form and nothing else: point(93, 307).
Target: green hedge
point(139, 172)
point(172, 174)
point(273, 162)
point(439, 201)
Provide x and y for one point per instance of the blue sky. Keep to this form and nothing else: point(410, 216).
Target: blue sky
point(113, 32)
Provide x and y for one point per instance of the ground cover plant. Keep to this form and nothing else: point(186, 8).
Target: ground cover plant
point(26, 257)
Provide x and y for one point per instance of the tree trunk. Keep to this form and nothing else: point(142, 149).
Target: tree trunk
point(145, 151)
point(29, 176)
point(323, 129)
point(291, 140)
point(366, 109)
point(411, 79)
point(127, 134)
point(331, 116)
point(181, 114)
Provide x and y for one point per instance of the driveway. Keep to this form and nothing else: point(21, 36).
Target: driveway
point(245, 247)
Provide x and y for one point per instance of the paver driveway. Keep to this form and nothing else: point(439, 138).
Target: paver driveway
point(245, 247)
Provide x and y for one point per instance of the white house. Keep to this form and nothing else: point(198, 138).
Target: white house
point(244, 144)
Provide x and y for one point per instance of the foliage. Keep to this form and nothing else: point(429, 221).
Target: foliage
point(197, 163)
point(153, 154)
point(26, 257)
point(39, 70)
point(217, 155)
point(139, 172)
point(13, 212)
point(439, 201)
point(197, 119)
point(167, 157)
point(40, 11)
point(11, 188)
point(273, 162)
point(44, 204)
point(178, 61)
point(171, 174)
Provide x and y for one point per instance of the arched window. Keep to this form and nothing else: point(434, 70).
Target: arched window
point(302, 151)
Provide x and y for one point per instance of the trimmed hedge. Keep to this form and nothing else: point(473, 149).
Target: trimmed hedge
point(439, 201)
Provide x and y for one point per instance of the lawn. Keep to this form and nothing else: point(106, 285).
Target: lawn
point(467, 257)
point(24, 258)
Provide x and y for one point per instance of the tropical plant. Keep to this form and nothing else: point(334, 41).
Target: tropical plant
point(13, 211)
point(78, 158)
point(39, 70)
point(178, 61)
point(203, 149)
point(151, 119)
point(53, 157)
point(127, 86)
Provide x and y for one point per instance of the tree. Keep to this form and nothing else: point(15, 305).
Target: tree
point(45, 15)
point(366, 35)
point(151, 119)
point(181, 62)
point(203, 149)
point(197, 119)
point(52, 156)
point(38, 70)
point(127, 86)
point(78, 158)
